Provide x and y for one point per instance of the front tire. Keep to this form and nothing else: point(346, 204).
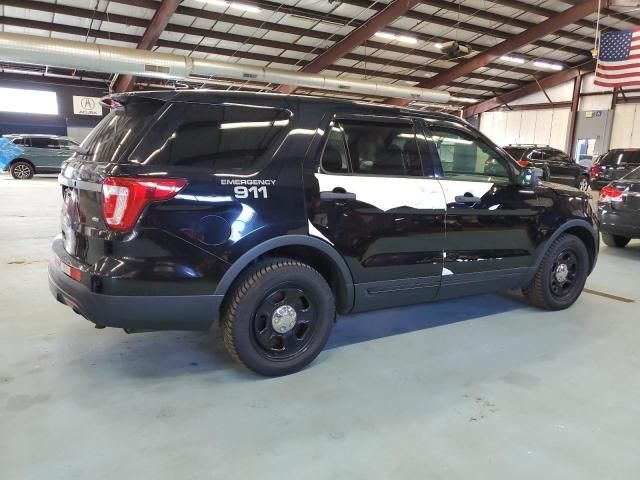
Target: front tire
point(279, 317)
point(616, 241)
point(561, 275)
point(21, 170)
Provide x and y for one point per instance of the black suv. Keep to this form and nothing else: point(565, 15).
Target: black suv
point(614, 165)
point(556, 164)
point(271, 213)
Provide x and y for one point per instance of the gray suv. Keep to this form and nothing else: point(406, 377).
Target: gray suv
point(25, 155)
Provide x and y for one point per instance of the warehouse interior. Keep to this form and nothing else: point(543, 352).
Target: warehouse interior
point(481, 386)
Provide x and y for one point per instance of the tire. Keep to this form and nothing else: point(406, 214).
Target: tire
point(548, 290)
point(262, 302)
point(616, 241)
point(583, 183)
point(22, 170)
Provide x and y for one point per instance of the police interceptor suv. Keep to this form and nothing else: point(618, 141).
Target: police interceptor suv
point(272, 213)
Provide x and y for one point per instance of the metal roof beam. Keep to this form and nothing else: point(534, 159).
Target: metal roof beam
point(151, 36)
point(533, 87)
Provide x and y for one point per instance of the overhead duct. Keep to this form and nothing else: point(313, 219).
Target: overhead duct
point(32, 49)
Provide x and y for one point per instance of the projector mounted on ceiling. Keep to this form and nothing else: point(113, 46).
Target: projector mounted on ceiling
point(454, 49)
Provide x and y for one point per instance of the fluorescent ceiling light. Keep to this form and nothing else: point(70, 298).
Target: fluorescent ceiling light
point(512, 59)
point(28, 101)
point(547, 65)
point(237, 5)
point(464, 99)
point(438, 46)
point(399, 38)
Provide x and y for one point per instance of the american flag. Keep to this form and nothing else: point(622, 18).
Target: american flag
point(619, 59)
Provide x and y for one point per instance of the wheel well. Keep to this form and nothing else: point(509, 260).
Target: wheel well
point(22, 160)
point(322, 263)
point(587, 238)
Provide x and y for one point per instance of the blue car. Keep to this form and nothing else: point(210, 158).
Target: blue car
point(27, 154)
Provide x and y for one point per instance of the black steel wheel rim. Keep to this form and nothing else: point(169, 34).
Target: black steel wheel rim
point(283, 345)
point(564, 273)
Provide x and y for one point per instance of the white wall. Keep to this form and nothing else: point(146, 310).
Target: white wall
point(626, 126)
point(545, 126)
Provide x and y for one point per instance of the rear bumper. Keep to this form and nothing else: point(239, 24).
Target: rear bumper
point(625, 224)
point(136, 312)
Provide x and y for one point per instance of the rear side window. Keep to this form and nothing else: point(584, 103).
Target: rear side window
point(617, 157)
point(119, 130)
point(44, 142)
point(373, 149)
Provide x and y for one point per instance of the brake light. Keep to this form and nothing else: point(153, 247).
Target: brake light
point(595, 170)
point(124, 199)
point(524, 163)
point(610, 194)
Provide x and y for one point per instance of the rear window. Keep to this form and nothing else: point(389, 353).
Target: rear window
point(515, 152)
point(214, 137)
point(119, 130)
point(618, 157)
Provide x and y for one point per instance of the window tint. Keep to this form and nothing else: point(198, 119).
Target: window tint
point(537, 155)
point(222, 137)
point(20, 141)
point(631, 157)
point(44, 142)
point(465, 157)
point(516, 152)
point(617, 157)
point(382, 149)
point(334, 158)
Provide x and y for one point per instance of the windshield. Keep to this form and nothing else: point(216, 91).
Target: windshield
point(633, 175)
point(118, 131)
point(515, 152)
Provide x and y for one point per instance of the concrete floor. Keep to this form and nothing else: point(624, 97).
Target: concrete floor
point(479, 388)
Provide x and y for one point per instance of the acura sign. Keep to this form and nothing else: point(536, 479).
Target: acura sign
point(87, 106)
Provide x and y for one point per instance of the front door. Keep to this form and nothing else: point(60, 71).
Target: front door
point(373, 202)
point(491, 219)
point(562, 169)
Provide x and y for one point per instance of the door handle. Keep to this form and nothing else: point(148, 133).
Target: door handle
point(331, 196)
point(467, 199)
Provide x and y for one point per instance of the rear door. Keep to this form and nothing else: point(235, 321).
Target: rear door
point(377, 207)
point(491, 220)
point(561, 168)
point(45, 152)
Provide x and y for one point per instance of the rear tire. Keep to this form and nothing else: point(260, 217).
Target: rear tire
point(279, 317)
point(561, 275)
point(616, 241)
point(22, 170)
point(583, 183)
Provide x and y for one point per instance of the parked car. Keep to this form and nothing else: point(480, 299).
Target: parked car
point(557, 165)
point(25, 155)
point(619, 210)
point(614, 165)
point(272, 213)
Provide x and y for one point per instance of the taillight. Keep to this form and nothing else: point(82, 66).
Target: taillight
point(595, 170)
point(123, 199)
point(610, 194)
point(524, 163)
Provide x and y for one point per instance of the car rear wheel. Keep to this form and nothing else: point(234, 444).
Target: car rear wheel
point(561, 275)
point(616, 241)
point(279, 317)
point(22, 170)
point(583, 183)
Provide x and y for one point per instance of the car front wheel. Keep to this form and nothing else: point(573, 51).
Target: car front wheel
point(22, 170)
point(561, 275)
point(279, 317)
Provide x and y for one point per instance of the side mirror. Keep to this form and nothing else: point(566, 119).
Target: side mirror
point(530, 176)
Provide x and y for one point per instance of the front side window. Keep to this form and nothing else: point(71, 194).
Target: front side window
point(374, 148)
point(537, 155)
point(465, 157)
